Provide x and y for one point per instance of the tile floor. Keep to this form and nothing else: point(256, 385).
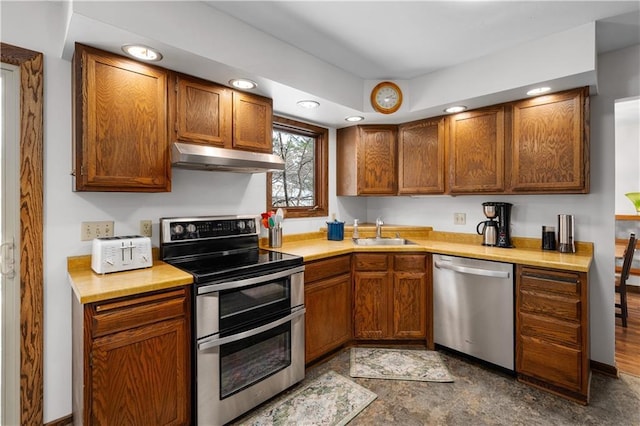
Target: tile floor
point(480, 396)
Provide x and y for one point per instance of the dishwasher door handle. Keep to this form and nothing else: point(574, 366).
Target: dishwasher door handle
point(472, 271)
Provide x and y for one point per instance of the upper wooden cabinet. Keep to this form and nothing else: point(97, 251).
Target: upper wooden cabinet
point(252, 122)
point(211, 114)
point(421, 146)
point(366, 160)
point(476, 151)
point(121, 135)
point(550, 144)
point(200, 111)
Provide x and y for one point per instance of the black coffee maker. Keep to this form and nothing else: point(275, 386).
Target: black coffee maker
point(501, 212)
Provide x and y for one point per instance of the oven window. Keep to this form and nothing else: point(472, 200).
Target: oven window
point(239, 306)
point(247, 361)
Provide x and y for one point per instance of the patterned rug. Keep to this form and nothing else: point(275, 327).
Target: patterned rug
point(331, 399)
point(398, 364)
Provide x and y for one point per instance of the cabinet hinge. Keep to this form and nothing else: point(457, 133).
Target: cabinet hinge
point(82, 170)
point(91, 359)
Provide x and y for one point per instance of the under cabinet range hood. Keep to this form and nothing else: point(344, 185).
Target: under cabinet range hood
point(203, 157)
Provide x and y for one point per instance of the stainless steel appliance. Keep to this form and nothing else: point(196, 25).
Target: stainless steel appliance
point(565, 234)
point(473, 308)
point(496, 233)
point(248, 311)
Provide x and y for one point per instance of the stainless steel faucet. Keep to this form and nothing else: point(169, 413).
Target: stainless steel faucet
point(379, 224)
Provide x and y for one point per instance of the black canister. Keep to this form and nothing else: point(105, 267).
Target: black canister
point(548, 238)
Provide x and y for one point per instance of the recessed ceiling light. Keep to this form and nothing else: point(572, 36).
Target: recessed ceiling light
point(538, 91)
point(456, 108)
point(354, 118)
point(308, 104)
point(140, 51)
point(243, 83)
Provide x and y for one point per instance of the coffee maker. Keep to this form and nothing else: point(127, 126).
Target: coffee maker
point(496, 233)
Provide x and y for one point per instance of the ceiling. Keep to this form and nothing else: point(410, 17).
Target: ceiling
point(475, 52)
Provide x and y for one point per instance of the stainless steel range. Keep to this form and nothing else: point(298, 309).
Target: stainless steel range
point(248, 332)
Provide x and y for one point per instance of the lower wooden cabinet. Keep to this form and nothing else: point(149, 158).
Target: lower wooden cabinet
point(552, 331)
point(131, 360)
point(327, 298)
point(392, 296)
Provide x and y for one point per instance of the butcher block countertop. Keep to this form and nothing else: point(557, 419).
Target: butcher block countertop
point(90, 287)
point(527, 251)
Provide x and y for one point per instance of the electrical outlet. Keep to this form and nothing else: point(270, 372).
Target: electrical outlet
point(459, 218)
point(145, 228)
point(91, 230)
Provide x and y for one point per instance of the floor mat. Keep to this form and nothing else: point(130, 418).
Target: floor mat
point(398, 364)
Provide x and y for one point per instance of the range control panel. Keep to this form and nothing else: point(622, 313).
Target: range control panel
point(201, 228)
point(116, 254)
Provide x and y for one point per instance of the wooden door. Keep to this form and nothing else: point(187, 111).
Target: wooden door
point(370, 300)
point(377, 160)
point(421, 147)
point(203, 112)
point(121, 135)
point(140, 376)
point(252, 122)
point(409, 305)
point(328, 316)
point(476, 151)
point(549, 146)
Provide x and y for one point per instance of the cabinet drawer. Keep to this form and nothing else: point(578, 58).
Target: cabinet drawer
point(550, 281)
point(326, 268)
point(122, 314)
point(410, 262)
point(551, 305)
point(547, 328)
point(371, 262)
point(551, 363)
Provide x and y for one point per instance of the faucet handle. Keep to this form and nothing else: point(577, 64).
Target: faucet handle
point(379, 221)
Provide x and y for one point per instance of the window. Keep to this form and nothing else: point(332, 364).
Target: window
point(301, 189)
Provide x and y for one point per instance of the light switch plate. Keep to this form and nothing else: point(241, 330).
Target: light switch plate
point(459, 218)
point(100, 229)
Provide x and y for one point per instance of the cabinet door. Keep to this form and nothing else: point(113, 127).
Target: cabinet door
point(409, 305)
point(549, 145)
point(328, 316)
point(371, 308)
point(421, 157)
point(140, 376)
point(252, 122)
point(476, 151)
point(377, 160)
point(121, 135)
point(202, 112)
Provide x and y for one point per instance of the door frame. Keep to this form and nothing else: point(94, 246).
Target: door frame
point(31, 229)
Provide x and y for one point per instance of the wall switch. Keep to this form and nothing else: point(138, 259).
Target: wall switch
point(145, 228)
point(459, 218)
point(91, 230)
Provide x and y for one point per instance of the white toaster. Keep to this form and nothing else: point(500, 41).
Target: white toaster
point(115, 254)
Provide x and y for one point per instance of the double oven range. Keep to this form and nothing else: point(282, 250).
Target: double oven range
point(248, 313)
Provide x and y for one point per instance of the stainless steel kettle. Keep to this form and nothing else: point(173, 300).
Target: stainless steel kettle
point(489, 232)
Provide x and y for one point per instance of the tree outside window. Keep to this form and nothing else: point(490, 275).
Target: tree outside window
point(301, 188)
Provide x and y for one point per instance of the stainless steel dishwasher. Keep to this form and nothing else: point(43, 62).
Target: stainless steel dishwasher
point(473, 308)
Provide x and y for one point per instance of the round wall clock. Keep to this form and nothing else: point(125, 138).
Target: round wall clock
point(386, 97)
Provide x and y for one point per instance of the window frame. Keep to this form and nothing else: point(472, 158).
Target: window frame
point(321, 168)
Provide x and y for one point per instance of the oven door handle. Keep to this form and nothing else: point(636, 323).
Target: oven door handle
point(249, 281)
point(219, 341)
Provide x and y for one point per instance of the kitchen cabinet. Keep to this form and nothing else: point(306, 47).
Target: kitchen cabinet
point(132, 359)
point(121, 140)
point(201, 111)
point(366, 160)
point(421, 147)
point(550, 143)
point(327, 298)
point(392, 296)
point(476, 146)
point(552, 331)
point(252, 122)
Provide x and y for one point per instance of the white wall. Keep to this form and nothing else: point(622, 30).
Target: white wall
point(627, 142)
point(40, 28)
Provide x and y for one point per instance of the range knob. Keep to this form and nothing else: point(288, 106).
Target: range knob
point(178, 229)
point(191, 228)
point(241, 225)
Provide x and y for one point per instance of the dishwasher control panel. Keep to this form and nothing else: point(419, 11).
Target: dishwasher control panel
point(116, 254)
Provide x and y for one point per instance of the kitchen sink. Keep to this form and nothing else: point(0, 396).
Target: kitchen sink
point(381, 241)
